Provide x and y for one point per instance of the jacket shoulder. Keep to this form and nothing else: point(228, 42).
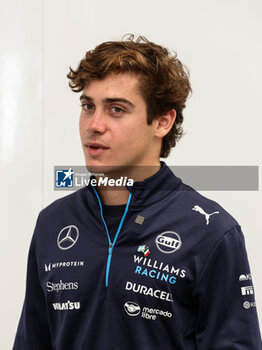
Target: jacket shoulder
point(205, 212)
point(65, 204)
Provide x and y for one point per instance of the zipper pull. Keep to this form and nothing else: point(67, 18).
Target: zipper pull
point(110, 248)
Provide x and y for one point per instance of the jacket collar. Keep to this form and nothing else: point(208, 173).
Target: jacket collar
point(155, 187)
point(152, 189)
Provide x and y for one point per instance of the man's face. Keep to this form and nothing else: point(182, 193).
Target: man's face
point(113, 124)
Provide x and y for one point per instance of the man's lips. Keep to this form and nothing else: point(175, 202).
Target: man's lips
point(96, 145)
point(95, 148)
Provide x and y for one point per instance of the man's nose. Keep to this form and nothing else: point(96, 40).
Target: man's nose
point(97, 122)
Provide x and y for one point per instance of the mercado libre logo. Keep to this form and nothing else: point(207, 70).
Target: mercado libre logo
point(133, 309)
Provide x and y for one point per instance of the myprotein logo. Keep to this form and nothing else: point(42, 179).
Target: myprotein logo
point(133, 309)
point(63, 264)
point(57, 287)
point(168, 242)
point(67, 237)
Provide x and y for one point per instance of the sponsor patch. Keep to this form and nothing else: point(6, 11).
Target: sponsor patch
point(168, 242)
point(248, 290)
point(158, 270)
point(57, 287)
point(144, 249)
point(69, 305)
point(62, 264)
point(131, 308)
point(247, 304)
point(134, 309)
point(67, 237)
point(154, 293)
point(246, 277)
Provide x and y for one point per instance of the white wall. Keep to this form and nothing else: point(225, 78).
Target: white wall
point(21, 147)
point(220, 42)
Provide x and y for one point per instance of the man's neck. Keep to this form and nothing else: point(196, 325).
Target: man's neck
point(114, 197)
point(119, 195)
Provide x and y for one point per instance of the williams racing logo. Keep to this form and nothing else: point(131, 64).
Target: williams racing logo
point(156, 269)
point(168, 242)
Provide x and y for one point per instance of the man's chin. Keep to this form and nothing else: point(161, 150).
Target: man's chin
point(101, 169)
point(113, 171)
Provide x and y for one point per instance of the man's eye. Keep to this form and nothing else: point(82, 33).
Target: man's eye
point(117, 110)
point(87, 106)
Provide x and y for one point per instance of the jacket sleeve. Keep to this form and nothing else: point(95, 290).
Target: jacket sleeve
point(33, 329)
point(227, 317)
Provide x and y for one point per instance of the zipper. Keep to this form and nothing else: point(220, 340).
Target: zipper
point(111, 245)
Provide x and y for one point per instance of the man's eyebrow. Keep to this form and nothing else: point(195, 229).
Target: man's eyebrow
point(108, 100)
point(84, 97)
point(118, 99)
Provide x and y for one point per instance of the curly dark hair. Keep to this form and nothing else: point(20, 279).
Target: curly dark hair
point(164, 82)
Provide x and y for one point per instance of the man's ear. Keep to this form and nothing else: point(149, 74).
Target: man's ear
point(164, 123)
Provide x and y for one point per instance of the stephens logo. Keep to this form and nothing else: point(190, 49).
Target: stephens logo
point(168, 242)
point(131, 308)
point(56, 287)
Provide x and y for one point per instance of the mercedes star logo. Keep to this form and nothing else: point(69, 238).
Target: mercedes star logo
point(67, 237)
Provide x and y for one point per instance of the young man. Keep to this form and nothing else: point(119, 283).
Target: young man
point(153, 265)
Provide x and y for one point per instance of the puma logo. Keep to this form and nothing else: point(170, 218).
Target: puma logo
point(201, 211)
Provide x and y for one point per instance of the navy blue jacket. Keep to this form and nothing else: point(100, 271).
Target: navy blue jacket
point(176, 276)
